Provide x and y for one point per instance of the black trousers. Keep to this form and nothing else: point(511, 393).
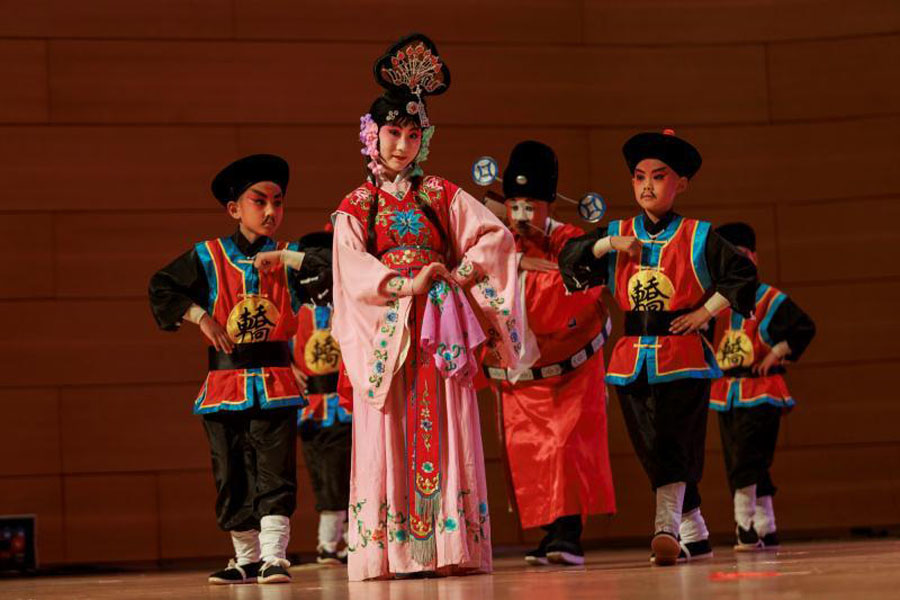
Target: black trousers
point(667, 426)
point(326, 451)
point(254, 463)
point(749, 436)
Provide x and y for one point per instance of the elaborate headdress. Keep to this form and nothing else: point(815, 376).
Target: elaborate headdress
point(409, 71)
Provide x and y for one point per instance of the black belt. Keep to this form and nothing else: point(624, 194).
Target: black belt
point(748, 372)
point(651, 322)
point(322, 384)
point(251, 356)
point(559, 368)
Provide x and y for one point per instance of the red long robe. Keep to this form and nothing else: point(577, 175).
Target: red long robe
point(554, 428)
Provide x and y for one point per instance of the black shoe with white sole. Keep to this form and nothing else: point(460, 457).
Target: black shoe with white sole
point(747, 540)
point(235, 573)
point(329, 558)
point(565, 553)
point(538, 556)
point(274, 571)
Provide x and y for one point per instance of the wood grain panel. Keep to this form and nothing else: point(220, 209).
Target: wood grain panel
point(845, 319)
point(157, 82)
point(807, 253)
point(34, 277)
point(111, 518)
point(30, 437)
point(843, 404)
point(131, 428)
point(833, 78)
point(187, 516)
point(112, 168)
point(113, 19)
point(23, 68)
point(103, 342)
point(701, 22)
point(528, 21)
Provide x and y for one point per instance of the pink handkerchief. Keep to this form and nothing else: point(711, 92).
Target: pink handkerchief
point(451, 332)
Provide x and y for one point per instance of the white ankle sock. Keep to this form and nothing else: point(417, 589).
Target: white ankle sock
point(246, 546)
point(331, 529)
point(669, 500)
point(745, 506)
point(693, 527)
point(274, 535)
point(764, 517)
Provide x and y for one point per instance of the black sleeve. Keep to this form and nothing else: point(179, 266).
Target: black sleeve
point(175, 287)
point(733, 274)
point(579, 268)
point(315, 267)
point(790, 324)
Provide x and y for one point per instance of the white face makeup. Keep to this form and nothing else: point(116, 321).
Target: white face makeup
point(526, 215)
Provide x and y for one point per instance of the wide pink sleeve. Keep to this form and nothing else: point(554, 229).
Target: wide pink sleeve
point(483, 244)
point(369, 319)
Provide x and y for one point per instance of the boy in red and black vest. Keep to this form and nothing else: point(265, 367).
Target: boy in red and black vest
point(243, 292)
point(325, 424)
point(752, 395)
point(670, 275)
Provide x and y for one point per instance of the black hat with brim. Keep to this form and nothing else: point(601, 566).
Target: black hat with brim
point(236, 178)
point(531, 172)
point(681, 156)
point(738, 234)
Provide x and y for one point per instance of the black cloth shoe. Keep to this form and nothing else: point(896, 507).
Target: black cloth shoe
point(235, 573)
point(274, 571)
point(538, 556)
point(561, 552)
point(699, 550)
point(770, 541)
point(747, 540)
point(329, 558)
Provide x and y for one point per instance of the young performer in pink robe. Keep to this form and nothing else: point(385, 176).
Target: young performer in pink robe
point(423, 274)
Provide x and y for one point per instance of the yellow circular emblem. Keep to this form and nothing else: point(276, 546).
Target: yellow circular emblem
point(735, 350)
point(252, 320)
point(650, 289)
point(321, 353)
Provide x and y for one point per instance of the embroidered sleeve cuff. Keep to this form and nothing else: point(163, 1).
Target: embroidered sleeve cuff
point(292, 258)
point(716, 304)
point(400, 286)
point(194, 314)
point(602, 246)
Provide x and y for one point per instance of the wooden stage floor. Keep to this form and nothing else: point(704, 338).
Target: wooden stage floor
point(846, 570)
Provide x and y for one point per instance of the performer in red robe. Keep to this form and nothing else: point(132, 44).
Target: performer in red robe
point(553, 414)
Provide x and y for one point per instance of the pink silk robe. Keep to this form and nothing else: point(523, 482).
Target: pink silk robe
point(372, 327)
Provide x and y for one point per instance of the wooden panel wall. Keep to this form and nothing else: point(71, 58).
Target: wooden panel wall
point(115, 115)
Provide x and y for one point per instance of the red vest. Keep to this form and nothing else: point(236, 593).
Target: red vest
point(252, 307)
point(670, 275)
point(317, 354)
point(741, 342)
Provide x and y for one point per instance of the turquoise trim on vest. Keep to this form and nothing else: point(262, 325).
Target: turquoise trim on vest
point(767, 320)
point(210, 269)
point(698, 250)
